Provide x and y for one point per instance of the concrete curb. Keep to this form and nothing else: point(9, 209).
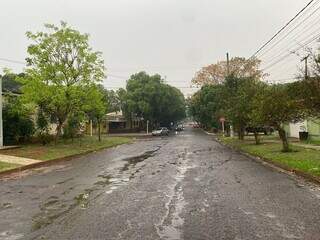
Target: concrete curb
point(274, 165)
point(209, 133)
point(52, 162)
point(131, 136)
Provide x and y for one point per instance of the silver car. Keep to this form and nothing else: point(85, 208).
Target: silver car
point(160, 132)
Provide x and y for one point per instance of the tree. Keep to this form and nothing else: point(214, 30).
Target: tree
point(95, 106)
point(206, 104)
point(274, 106)
point(307, 90)
point(111, 99)
point(238, 94)
point(17, 121)
point(238, 67)
point(10, 82)
point(60, 67)
point(42, 123)
point(73, 125)
point(148, 97)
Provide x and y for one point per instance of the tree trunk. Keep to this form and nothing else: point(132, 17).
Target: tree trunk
point(58, 131)
point(241, 133)
point(284, 139)
point(99, 131)
point(256, 137)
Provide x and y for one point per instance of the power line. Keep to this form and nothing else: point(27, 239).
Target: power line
point(299, 34)
point(12, 61)
point(312, 34)
point(285, 56)
point(283, 28)
point(110, 75)
point(296, 41)
point(116, 76)
point(23, 63)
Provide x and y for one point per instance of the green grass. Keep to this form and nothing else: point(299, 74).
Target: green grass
point(313, 142)
point(303, 159)
point(65, 148)
point(7, 166)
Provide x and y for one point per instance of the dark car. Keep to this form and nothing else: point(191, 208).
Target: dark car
point(266, 130)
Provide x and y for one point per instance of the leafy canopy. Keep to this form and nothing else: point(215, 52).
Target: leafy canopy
point(150, 98)
point(61, 67)
point(238, 67)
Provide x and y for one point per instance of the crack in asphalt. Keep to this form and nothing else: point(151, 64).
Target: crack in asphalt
point(171, 223)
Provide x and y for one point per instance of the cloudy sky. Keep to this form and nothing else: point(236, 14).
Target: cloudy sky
point(171, 37)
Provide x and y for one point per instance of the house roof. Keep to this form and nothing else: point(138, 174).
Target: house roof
point(115, 114)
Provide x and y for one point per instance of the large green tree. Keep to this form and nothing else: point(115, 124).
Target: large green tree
point(238, 94)
point(60, 67)
point(150, 98)
point(274, 106)
point(206, 106)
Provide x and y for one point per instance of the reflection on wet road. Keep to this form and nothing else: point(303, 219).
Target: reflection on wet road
point(186, 186)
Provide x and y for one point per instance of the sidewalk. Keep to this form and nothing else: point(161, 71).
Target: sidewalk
point(17, 160)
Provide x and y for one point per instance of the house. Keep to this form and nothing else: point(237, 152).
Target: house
point(312, 126)
point(116, 122)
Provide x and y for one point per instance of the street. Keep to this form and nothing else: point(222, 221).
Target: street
point(185, 186)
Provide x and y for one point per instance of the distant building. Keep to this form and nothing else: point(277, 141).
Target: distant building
point(312, 126)
point(116, 122)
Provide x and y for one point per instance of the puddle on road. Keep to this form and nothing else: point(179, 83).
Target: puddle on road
point(64, 181)
point(126, 172)
point(5, 206)
point(9, 235)
point(132, 161)
point(54, 207)
point(105, 180)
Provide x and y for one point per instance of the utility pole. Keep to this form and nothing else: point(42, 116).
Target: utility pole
point(228, 65)
point(305, 59)
point(228, 73)
point(147, 126)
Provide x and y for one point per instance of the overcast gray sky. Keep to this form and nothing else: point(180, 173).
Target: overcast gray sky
point(171, 37)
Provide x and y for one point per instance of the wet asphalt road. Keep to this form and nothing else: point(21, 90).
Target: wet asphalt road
point(180, 187)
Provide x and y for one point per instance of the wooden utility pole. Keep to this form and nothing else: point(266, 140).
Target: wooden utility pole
point(305, 59)
point(228, 73)
point(228, 65)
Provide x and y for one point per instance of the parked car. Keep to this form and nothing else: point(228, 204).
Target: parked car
point(196, 125)
point(266, 130)
point(160, 132)
point(179, 128)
